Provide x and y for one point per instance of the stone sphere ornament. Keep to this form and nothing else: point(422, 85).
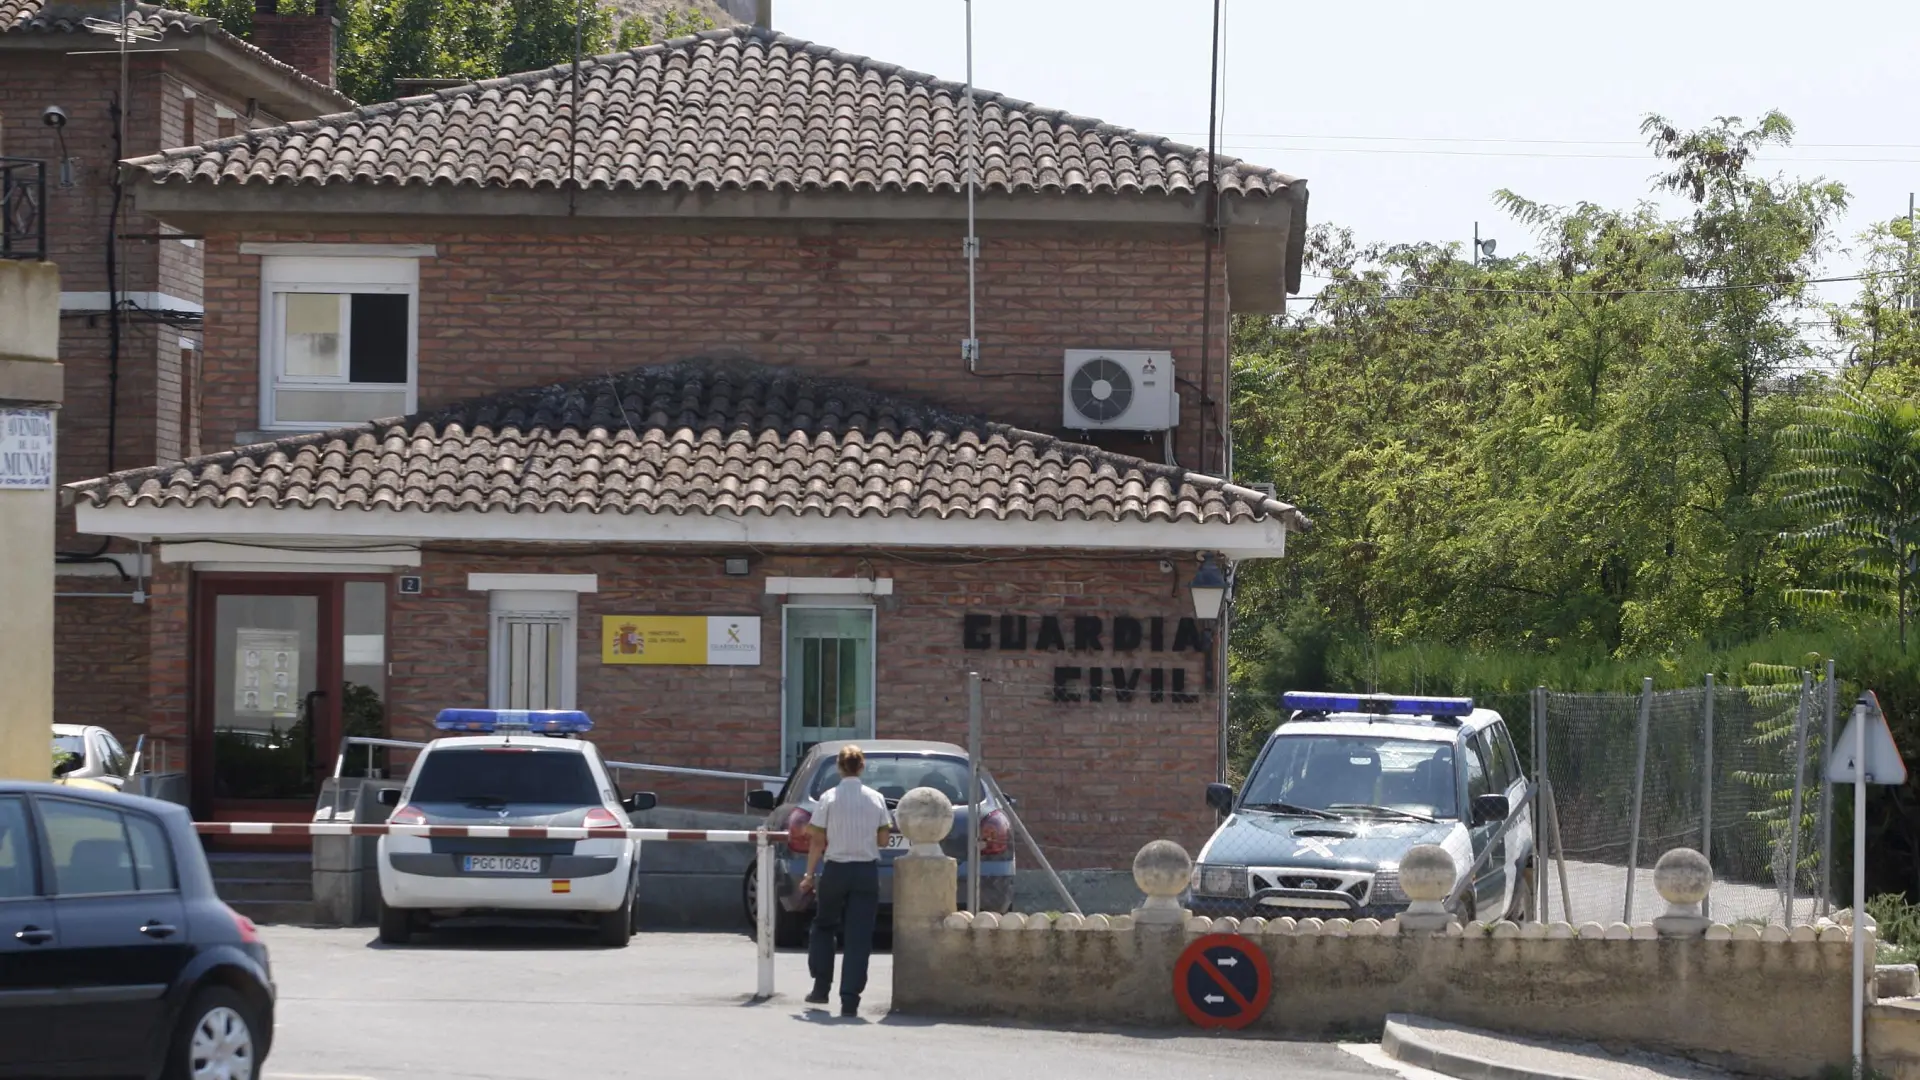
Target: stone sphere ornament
point(1683, 877)
point(1427, 876)
point(925, 816)
point(1163, 870)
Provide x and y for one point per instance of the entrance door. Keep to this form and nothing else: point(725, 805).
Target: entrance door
point(827, 685)
point(280, 662)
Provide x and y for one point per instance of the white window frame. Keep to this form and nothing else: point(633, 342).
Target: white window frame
point(560, 610)
point(789, 759)
point(284, 274)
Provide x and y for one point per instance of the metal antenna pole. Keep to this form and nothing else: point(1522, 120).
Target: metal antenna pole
point(971, 245)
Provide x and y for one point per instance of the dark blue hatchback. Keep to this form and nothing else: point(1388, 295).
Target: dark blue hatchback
point(116, 956)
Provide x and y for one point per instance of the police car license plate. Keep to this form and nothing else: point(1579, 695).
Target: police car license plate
point(501, 864)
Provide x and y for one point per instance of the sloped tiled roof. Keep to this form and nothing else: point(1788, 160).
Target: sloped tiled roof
point(738, 108)
point(698, 437)
point(65, 17)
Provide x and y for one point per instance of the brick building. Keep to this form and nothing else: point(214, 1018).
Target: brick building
point(685, 435)
point(130, 341)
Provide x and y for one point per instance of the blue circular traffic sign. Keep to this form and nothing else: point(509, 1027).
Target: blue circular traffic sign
point(1222, 981)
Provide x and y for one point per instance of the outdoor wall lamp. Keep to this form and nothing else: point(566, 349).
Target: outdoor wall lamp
point(1209, 589)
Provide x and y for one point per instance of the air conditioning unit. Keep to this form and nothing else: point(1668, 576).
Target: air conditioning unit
point(1118, 390)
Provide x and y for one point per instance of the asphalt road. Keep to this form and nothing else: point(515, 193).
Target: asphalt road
point(548, 1004)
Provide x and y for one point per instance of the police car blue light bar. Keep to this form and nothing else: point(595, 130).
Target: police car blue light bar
point(1377, 704)
point(541, 721)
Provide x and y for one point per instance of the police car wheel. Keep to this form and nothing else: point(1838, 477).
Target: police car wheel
point(616, 926)
point(1523, 896)
point(396, 925)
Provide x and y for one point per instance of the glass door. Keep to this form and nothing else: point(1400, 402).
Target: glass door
point(285, 666)
point(827, 685)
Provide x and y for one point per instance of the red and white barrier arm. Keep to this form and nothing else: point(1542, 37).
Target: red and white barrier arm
point(487, 832)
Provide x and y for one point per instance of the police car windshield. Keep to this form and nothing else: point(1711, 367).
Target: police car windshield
point(1358, 775)
point(895, 775)
point(503, 777)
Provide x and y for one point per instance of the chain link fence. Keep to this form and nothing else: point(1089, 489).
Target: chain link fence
point(1734, 772)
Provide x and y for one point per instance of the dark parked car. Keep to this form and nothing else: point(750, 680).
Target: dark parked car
point(116, 957)
point(894, 767)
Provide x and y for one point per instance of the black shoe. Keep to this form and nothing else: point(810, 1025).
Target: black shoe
point(849, 1006)
point(819, 995)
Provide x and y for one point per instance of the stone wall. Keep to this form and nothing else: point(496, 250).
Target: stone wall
point(1744, 999)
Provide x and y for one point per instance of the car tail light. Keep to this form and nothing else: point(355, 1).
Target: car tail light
point(249, 933)
point(407, 815)
point(601, 818)
point(996, 835)
point(798, 840)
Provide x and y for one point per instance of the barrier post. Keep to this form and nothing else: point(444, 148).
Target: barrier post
point(763, 870)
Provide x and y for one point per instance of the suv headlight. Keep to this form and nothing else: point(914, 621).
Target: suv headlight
point(1220, 880)
point(1386, 887)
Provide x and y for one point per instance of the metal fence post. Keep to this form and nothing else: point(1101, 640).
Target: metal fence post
point(1826, 801)
point(1541, 869)
point(1639, 790)
point(1801, 721)
point(763, 873)
point(1706, 787)
point(973, 791)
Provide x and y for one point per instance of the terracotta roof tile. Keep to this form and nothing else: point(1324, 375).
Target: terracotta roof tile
point(698, 437)
point(724, 109)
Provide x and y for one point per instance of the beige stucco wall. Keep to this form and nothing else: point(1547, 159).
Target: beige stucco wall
point(1765, 1007)
point(29, 375)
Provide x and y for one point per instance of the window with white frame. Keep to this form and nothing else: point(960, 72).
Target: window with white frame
point(535, 649)
point(339, 338)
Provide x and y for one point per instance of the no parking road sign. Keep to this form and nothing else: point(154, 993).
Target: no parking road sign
point(1222, 981)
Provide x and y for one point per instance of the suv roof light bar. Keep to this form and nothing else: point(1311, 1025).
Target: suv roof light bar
point(487, 721)
point(1377, 704)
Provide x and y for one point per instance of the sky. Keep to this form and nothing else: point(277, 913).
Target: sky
point(1406, 117)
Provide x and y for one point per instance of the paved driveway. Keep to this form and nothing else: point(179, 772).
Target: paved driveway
point(547, 1004)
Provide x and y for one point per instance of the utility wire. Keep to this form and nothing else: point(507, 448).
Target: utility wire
point(1617, 292)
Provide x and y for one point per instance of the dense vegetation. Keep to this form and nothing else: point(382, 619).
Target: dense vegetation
point(1614, 456)
point(385, 40)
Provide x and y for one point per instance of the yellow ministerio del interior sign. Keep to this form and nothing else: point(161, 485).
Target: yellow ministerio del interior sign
point(680, 639)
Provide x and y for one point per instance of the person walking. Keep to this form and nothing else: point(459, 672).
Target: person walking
point(848, 831)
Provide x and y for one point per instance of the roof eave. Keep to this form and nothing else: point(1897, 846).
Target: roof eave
point(212, 54)
point(1262, 538)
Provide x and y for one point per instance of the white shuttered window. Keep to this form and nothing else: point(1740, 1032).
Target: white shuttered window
point(535, 652)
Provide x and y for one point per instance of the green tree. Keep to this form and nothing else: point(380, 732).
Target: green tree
point(382, 41)
point(1881, 325)
point(1857, 477)
point(1750, 243)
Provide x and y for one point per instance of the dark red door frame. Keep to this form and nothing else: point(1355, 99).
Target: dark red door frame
point(330, 591)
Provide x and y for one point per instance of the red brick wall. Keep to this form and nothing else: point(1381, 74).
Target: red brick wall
point(102, 672)
point(304, 42)
point(885, 306)
point(1094, 780)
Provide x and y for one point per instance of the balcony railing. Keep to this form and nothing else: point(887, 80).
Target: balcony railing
point(23, 208)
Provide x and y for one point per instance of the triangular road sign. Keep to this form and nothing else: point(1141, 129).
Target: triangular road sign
point(1883, 758)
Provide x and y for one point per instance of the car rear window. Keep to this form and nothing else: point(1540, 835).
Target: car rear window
point(506, 776)
point(895, 775)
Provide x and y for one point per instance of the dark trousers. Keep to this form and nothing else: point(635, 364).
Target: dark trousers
point(849, 902)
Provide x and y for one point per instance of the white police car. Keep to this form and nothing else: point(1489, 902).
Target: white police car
point(520, 775)
point(1345, 787)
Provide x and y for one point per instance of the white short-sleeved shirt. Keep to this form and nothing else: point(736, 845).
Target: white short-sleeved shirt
point(852, 813)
